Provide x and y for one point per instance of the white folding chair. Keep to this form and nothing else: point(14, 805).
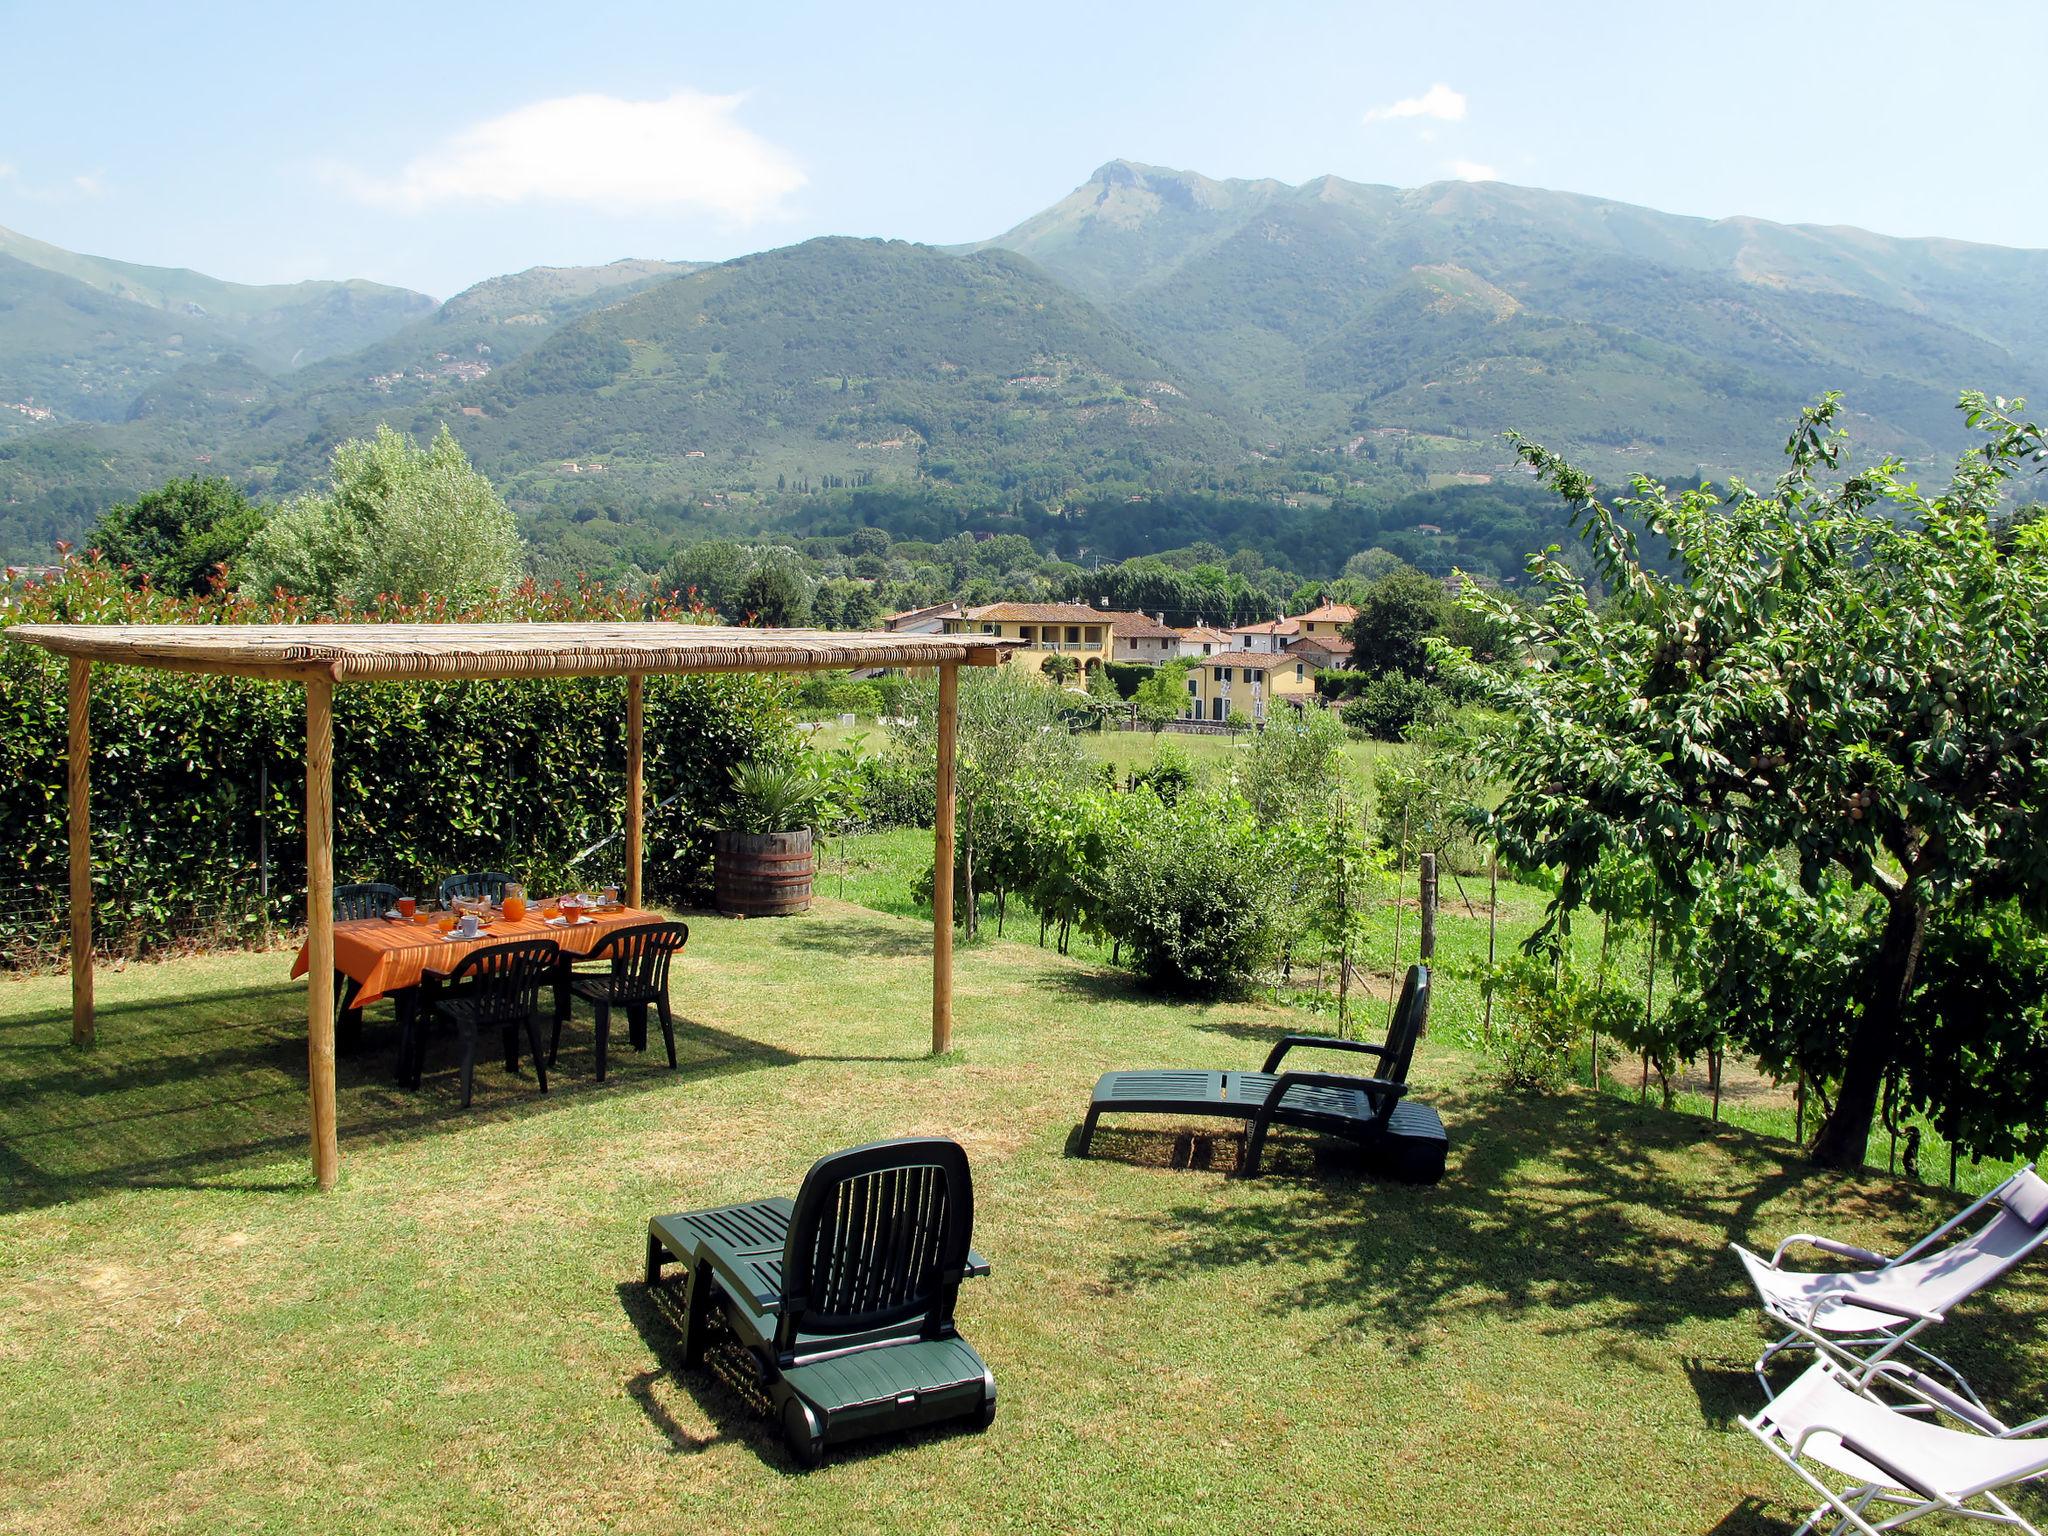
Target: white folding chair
point(1901, 1464)
point(1862, 1317)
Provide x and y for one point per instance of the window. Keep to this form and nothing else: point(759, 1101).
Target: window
point(990, 629)
point(1299, 671)
point(1216, 709)
point(1223, 674)
point(1252, 676)
point(1073, 634)
point(1094, 635)
point(1194, 687)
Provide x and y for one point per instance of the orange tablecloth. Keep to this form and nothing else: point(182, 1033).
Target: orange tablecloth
point(383, 956)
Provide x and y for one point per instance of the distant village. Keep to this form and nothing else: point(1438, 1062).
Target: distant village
point(1248, 670)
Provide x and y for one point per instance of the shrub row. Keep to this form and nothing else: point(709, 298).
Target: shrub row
point(429, 778)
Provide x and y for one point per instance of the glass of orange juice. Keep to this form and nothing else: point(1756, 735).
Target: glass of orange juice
point(513, 903)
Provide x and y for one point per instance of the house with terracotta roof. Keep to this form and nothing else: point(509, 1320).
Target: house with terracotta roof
point(922, 621)
point(1046, 630)
point(1201, 640)
point(1253, 685)
point(1324, 650)
point(1327, 620)
point(1267, 639)
point(1140, 637)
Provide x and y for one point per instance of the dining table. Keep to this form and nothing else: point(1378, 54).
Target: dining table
point(384, 956)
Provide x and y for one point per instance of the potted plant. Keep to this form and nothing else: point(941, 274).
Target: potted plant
point(764, 861)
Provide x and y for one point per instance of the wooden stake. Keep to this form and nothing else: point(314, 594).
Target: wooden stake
point(1394, 972)
point(1600, 985)
point(1427, 894)
point(1492, 939)
point(942, 864)
point(636, 793)
point(1649, 1007)
point(76, 771)
point(320, 927)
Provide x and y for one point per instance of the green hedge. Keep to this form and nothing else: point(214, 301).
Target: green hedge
point(429, 778)
point(1127, 675)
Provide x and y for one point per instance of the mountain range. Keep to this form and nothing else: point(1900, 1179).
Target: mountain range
point(1154, 330)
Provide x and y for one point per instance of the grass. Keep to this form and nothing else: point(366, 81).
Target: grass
point(1553, 1338)
point(1126, 750)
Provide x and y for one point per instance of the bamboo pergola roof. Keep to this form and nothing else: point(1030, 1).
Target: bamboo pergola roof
point(383, 652)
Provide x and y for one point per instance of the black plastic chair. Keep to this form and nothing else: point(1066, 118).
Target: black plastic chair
point(352, 903)
point(481, 882)
point(844, 1297)
point(637, 976)
point(1402, 1137)
point(367, 898)
point(496, 987)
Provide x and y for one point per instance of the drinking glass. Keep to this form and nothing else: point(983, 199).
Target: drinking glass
point(514, 902)
point(406, 907)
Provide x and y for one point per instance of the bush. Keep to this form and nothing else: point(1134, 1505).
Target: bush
point(428, 777)
point(838, 693)
point(1392, 705)
point(1170, 774)
point(1541, 1016)
point(1186, 893)
point(899, 792)
point(1127, 675)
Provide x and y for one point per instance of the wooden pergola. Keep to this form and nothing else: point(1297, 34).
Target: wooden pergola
point(321, 655)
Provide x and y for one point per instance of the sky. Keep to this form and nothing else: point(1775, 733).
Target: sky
point(433, 145)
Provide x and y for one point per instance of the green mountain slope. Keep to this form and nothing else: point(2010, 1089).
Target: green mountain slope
point(72, 352)
point(860, 360)
point(278, 325)
point(1460, 309)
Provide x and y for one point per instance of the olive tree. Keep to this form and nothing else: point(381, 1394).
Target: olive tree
point(1844, 674)
point(397, 520)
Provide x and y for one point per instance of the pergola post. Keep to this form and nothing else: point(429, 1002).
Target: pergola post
point(942, 863)
point(320, 927)
point(76, 770)
point(635, 789)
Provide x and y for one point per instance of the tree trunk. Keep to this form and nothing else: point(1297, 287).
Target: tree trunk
point(1846, 1132)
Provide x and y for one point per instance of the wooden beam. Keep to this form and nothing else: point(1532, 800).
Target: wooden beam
point(942, 864)
point(636, 793)
point(77, 767)
point(320, 927)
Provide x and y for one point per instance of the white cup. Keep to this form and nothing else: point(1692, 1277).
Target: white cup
point(469, 927)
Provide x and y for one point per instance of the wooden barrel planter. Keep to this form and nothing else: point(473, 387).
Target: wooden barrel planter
point(764, 874)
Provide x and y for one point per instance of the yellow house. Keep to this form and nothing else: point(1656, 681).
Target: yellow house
point(1252, 685)
point(1047, 629)
point(1327, 621)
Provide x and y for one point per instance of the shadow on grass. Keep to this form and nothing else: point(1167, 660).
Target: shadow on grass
point(1566, 1212)
point(657, 1317)
point(1752, 1517)
point(833, 935)
point(202, 1092)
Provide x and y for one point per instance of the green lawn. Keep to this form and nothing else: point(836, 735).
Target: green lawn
point(1554, 1339)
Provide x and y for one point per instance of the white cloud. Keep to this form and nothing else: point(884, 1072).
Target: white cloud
point(89, 185)
point(685, 151)
point(6, 170)
point(1439, 102)
point(1473, 170)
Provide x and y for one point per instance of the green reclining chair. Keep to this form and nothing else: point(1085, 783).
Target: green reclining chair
point(842, 1300)
point(1402, 1137)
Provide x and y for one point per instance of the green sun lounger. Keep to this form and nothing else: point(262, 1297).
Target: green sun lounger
point(841, 1301)
point(1402, 1137)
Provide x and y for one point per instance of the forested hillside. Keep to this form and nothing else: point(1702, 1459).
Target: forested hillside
point(1158, 360)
